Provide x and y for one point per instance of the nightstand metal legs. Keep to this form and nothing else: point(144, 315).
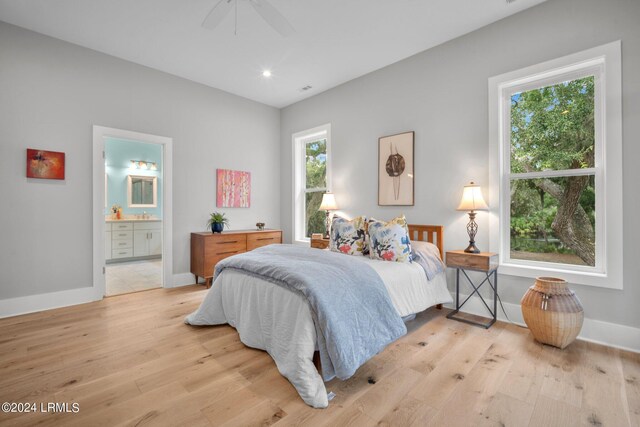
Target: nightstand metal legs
point(493, 284)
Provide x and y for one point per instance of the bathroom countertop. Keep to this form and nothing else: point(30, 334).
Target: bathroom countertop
point(134, 220)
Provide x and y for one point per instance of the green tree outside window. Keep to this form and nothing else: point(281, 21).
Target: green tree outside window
point(552, 129)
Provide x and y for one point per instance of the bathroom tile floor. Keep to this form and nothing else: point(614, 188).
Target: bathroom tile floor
point(133, 276)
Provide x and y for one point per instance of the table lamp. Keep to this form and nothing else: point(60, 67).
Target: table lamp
point(328, 204)
point(472, 201)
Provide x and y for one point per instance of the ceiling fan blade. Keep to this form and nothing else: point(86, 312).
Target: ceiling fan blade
point(274, 18)
point(217, 14)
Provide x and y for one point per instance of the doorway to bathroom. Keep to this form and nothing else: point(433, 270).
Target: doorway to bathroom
point(132, 230)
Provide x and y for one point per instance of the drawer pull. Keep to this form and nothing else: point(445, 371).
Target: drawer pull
point(122, 253)
point(266, 238)
point(226, 253)
point(225, 243)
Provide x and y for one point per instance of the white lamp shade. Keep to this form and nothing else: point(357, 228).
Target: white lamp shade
point(472, 199)
point(328, 202)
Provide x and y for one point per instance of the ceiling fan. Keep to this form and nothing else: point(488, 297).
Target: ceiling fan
point(269, 13)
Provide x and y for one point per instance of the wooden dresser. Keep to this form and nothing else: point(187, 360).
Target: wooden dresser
point(208, 248)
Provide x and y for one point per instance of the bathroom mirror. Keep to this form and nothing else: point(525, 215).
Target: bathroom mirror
point(142, 191)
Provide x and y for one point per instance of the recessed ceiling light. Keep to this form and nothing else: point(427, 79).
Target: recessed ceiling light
point(266, 73)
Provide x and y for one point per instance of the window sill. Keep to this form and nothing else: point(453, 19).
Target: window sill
point(302, 242)
point(602, 280)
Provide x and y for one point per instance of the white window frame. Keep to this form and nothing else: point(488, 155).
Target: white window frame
point(300, 139)
point(604, 62)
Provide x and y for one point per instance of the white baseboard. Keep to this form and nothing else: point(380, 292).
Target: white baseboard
point(33, 303)
point(183, 279)
point(40, 302)
point(596, 331)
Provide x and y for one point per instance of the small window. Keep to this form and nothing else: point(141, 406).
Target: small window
point(312, 180)
point(556, 138)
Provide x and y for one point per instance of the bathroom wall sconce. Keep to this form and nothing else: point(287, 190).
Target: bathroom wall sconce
point(141, 164)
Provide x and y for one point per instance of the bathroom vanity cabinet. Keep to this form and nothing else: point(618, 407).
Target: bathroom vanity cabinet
point(132, 239)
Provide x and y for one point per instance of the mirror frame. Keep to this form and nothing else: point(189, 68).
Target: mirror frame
point(154, 179)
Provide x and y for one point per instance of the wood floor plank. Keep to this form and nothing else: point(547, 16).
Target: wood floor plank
point(351, 417)
point(408, 412)
point(631, 372)
point(383, 398)
point(504, 410)
point(527, 372)
point(550, 412)
point(130, 360)
point(436, 388)
point(254, 410)
point(473, 394)
point(564, 379)
point(610, 411)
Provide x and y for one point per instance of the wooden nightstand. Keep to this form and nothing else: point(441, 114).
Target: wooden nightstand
point(485, 262)
point(319, 242)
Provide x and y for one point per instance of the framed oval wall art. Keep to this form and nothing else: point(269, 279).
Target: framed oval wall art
point(395, 170)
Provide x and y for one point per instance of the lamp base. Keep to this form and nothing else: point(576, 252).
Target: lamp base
point(327, 226)
point(472, 249)
point(472, 229)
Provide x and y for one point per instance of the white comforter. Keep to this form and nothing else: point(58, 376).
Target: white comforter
point(271, 318)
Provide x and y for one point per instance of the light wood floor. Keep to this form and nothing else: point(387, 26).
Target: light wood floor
point(130, 360)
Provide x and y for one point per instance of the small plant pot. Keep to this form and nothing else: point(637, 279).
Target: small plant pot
point(217, 227)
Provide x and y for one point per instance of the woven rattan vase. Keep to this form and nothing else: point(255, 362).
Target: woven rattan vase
point(552, 312)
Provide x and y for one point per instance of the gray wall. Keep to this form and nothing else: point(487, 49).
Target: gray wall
point(51, 93)
point(442, 95)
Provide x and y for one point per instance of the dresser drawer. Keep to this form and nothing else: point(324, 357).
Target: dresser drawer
point(121, 244)
point(121, 253)
point(256, 240)
point(213, 260)
point(122, 235)
point(482, 262)
point(224, 244)
point(120, 226)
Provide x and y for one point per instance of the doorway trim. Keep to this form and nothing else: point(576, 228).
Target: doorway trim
point(99, 227)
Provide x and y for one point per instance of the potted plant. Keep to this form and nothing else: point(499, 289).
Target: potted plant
point(217, 222)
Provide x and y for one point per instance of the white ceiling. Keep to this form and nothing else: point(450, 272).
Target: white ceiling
point(335, 41)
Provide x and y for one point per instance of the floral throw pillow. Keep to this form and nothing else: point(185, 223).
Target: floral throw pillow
point(389, 241)
point(347, 236)
point(400, 220)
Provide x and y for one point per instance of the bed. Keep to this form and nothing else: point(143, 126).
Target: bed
point(284, 323)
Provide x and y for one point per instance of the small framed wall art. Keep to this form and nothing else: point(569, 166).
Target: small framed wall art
point(45, 164)
point(233, 189)
point(395, 170)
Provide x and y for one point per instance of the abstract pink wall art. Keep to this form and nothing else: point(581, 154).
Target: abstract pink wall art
point(233, 189)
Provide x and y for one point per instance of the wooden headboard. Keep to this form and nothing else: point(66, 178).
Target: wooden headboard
point(428, 233)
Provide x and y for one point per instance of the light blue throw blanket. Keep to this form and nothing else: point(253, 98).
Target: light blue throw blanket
point(352, 312)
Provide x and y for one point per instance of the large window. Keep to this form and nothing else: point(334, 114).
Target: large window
point(552, 172)
point(311, 180)
point(557, 131)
